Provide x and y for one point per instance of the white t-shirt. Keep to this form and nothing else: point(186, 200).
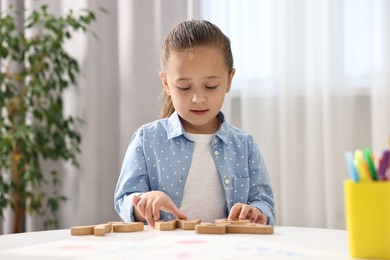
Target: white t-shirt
point(204, 197)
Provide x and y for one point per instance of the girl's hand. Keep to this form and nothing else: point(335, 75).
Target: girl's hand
point(149, 204)
point(243, 211)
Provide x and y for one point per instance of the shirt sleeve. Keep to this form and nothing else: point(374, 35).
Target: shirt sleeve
point(133, 179)
point(260, 192)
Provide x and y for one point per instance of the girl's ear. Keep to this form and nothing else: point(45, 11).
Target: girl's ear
point(231, 75)
point(164, 82)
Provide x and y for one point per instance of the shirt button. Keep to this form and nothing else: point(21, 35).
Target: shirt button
point(226, 181)
point(216, 153)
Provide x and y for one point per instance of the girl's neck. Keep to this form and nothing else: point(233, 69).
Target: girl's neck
point(210, 129)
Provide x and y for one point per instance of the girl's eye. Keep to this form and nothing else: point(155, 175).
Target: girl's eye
point(211, 87)
point(183, 88)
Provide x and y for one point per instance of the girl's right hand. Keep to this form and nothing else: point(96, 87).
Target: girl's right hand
point(149, 204)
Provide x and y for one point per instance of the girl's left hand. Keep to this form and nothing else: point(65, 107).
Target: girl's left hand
point(243, 211)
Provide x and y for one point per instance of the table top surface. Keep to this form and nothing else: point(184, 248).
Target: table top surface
point(285, 243)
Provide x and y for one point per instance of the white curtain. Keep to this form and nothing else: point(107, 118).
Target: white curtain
point(293, 91)
point(312, 83)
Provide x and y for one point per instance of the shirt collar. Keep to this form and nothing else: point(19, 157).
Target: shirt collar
point(175, 127)
point(223, 132)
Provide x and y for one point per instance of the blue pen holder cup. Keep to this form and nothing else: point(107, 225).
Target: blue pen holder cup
point(367, 205)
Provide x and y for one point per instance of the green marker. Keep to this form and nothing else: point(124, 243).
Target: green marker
point(368, 157)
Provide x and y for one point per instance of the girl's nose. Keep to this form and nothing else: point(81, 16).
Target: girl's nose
point(198, 98)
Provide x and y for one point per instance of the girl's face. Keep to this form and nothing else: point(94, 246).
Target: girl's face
point(197, 80)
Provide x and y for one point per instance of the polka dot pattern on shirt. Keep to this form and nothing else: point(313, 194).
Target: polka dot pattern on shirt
point(159, 158)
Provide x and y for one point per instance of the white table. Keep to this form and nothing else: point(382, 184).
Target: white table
point(285, 243)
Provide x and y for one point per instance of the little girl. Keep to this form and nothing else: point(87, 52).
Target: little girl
point(192, 164)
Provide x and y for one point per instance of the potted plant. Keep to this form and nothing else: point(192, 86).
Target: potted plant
point(35, 71)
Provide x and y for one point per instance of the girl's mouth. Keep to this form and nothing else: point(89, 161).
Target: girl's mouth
point(199, 112)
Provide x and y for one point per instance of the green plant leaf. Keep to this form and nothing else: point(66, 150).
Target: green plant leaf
point(33, 127)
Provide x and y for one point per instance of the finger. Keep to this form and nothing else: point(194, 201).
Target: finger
point(141, 207)
point(244, 212)
point(262, 219)
point(235, 212)
point(177, 213)
point(156, 209)
point(180, 215)
point(171, 208)
point(149, 214)
point(254, 215)
point(135, 200)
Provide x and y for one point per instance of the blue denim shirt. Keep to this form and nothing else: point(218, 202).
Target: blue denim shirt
point(159, 157)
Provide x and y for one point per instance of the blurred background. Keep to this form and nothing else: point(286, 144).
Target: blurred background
point(312, 82)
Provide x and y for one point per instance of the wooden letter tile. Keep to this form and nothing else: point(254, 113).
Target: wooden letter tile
point(128, 227)
point(188, 224)
point(102, 229)
point(111, 223)
point(165, 225)
point(210, 229)
point(250, 228)
point(81, 230)
point(235, 222)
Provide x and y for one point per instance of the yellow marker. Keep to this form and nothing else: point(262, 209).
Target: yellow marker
point(367, 171)
point(361, 166)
